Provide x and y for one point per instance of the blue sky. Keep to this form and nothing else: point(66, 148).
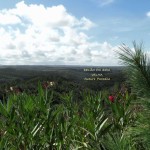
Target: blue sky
point(75, 32)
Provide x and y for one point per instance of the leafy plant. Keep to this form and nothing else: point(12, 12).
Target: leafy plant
point(117, 141)
point(34, 122)
point(122, 114)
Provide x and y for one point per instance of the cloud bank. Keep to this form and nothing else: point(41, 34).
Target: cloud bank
point(38, 35)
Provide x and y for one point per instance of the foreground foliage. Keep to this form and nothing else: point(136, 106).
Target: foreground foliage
point(138, 73)
point(36, 122)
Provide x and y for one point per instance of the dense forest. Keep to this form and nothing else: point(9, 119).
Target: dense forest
point(66, 78)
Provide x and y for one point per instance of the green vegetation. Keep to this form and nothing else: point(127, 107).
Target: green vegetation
point(34, 122)
point(116, 119)
point(138, 73)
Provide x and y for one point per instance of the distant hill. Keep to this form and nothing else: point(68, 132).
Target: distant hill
point(25, 74)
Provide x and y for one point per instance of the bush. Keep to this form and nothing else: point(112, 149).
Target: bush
point(33, 122)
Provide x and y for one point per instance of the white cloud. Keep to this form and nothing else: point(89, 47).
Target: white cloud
point(86, 23)
point(6, 19)
point(148, 14)
point(49, 35)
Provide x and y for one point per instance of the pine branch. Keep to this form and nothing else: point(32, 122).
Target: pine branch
point(138, 68)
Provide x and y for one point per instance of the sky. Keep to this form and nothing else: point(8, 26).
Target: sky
point(71, 32)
